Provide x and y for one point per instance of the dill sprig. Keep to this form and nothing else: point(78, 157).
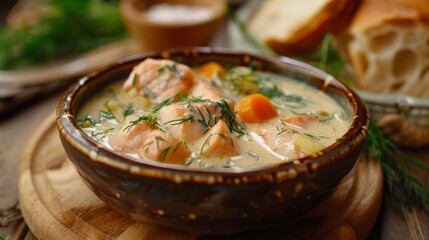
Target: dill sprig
point(328, 59)
point(400, 183)
point(226, 112)
point(68, 29)
point(151, 121)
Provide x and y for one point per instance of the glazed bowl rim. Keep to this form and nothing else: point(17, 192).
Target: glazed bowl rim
point(69, 129)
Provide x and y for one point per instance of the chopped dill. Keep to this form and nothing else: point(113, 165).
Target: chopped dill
point(106, 115)
point(150, 120)
point(100, 135)
point(164, 103)
point(314, 136)
point(87, 121)
point(191, 99)
point(127, 110)
point(282, 130)
point(180, 120)
point(133, 82)
point(274, 91)
point(236, 129)
point(207, 141)
point(254, 156)
point(206, 123)
point(172, 68)
point(147, 92)
point(164, 152)
point(177, 145)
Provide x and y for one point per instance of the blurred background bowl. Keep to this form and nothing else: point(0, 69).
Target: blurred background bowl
point(155, 35)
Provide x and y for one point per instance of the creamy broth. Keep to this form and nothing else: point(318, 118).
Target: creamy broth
point(198, 117)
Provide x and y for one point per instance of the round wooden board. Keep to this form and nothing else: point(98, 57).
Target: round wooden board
point(56, 204)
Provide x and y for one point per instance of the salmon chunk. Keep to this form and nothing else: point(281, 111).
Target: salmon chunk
point(281, 142)
point(218, 142)
point(205, 90)
point(162, 147)
point(190, 121)
point(132, 139)
point(158, 80)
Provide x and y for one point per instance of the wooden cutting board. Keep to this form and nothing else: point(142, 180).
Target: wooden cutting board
point(56, 204)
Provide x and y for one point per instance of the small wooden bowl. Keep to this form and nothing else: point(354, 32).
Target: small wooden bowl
point(155, 36)
point(212, 201)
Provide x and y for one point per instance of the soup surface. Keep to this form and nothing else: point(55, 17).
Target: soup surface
point(212, 116)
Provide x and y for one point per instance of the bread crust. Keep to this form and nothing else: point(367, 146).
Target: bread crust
point(334, 17)
point(373, 13)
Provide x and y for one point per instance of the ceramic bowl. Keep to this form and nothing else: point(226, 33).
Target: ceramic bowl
point(212, 201)
point(156, 35)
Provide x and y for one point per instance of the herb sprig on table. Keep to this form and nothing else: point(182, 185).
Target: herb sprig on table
point(68, 28)
point(399, 181)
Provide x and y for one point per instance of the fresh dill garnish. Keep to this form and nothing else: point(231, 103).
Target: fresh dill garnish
point(86, 122)
point(127, 109)
point(65, 29)
point(133, 82)
point(262, 48)
point(147, 92)
point(177, 145)
point(164, 103)
point(228, 164)
point(150, 120)
point(254, 156)
point(281, 130)
point(105, 115)
point(164, 152)
point(328, 59)
point(207, 123)
point(226, 112)
point(191, 99)
point(316, 136)
point(207, 141)
point(172, 68)
point(180, 120)
point(100, 135)
point(399, 181)
point(274, 91)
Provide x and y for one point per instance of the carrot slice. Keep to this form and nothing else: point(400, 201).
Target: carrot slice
point(255, 108)
point(211, 70)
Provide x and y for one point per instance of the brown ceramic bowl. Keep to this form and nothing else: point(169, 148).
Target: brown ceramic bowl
point(155, 36)
point(212, 201)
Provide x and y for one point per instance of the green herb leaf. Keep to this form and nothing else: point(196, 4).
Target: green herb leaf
point(69, 28)
point(399, 181)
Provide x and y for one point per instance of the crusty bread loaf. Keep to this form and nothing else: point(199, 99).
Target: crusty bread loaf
point(296, 26)
point(388, 46)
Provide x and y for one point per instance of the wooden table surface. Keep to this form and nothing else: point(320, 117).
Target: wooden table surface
point(394, 221)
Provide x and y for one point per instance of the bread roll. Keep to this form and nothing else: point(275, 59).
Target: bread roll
point(388, 46)
point(296, 26)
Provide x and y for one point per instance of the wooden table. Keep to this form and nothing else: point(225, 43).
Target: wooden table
point(394, 222)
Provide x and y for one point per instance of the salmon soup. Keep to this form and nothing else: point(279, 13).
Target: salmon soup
point(212, 116)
